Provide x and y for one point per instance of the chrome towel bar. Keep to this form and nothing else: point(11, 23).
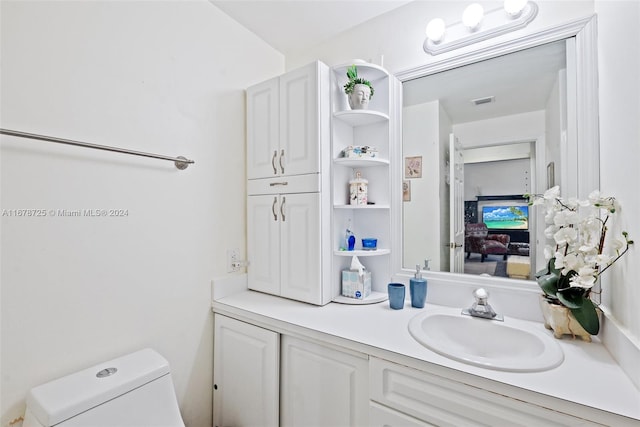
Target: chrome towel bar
point(180, 162)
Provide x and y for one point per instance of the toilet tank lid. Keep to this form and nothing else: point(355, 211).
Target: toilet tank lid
point(61, 399)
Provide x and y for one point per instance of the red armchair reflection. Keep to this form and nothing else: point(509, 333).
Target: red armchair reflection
point(478, 240)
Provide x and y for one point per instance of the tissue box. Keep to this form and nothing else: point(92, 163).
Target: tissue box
point(355, 285)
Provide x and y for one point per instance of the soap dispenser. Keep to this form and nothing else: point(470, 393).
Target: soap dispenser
point(418, 289)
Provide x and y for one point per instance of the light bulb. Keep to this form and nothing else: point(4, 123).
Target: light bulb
point(514, 7)
point(435, 30)
point(472, 16)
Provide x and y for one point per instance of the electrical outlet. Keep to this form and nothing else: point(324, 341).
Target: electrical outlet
point(233, 260)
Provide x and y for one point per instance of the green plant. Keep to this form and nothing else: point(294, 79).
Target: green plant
point(580, 252)
point(352, 74)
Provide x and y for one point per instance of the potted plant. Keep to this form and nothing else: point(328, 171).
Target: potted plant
point(580, 253)
point(359, 90)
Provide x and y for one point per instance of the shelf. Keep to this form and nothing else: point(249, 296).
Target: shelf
point(374, 298)
point(363, 253)
point(366, 70)
point(361, 117)
point(362, 162)
point(358, 207)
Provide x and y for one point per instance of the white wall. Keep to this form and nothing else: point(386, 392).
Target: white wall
point(523, 127)
point(157, 76)
point(398, 36)
point(500, 178)
point(421, 215)
point(619, 68)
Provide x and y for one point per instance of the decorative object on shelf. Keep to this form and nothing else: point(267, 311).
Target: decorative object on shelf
point(359, 91)
point(349, 238)
point(358, 188)
point(369, 244)
point(359, 152)
point(356, 282)
point(476, 25)
point(413, 167)
point(580, 254)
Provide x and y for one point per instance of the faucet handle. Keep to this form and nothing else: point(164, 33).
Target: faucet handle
point(481, 295)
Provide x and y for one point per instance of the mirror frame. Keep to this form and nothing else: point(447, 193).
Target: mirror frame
point(585, 167)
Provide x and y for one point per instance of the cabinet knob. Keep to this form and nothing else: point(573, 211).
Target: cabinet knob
point(284, 199)
point(215, 386)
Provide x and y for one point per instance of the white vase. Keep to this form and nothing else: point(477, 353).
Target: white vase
point(359, 97)
point(561, 321)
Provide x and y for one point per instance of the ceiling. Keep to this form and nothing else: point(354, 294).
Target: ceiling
point(292, 25)
point(519, 82)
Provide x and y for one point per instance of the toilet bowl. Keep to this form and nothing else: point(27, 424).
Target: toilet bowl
point(131, 391)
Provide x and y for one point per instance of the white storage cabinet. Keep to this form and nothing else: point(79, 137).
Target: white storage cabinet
point(284, 123)
point(288, 170)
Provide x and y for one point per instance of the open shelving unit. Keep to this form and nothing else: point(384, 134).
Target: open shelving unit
point(372, 127)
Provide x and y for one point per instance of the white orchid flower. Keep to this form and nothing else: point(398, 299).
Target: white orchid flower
point(572, 262)
point(565, 236)
point(584, 281)
point(552, 193)
point(549, 252)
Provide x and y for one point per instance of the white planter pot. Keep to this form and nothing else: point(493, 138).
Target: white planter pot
point(559, 319)
point(359, 98)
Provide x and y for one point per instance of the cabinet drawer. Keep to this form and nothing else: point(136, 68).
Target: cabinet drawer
point(381, 416)
point(443, 402)
point(308, 183)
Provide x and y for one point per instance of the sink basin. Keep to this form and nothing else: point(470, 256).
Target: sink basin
point(513, 345)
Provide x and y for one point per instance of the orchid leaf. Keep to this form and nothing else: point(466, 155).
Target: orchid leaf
point(549, 284)
point(587, 316)
point(572, 298)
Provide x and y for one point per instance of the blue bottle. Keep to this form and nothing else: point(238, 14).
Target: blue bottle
point(349, 238)
point(418, 289)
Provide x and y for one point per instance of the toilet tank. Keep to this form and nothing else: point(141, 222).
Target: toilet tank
point(130, 391)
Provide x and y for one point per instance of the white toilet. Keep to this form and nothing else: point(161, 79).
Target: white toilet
point(131, 391)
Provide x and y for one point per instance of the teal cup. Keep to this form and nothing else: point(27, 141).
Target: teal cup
point(396, 295)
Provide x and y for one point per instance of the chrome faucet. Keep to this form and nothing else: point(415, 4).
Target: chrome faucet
point(481, 307)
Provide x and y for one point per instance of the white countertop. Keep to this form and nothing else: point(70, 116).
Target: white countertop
point(588, 375)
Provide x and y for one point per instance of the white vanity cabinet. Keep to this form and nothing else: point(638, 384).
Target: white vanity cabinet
point(376, 127)
point(322, 386)
point(262, 378)
point(245, 374)
point(285, 118)
point(332, 370)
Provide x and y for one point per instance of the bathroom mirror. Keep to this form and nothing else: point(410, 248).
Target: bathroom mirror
point(523, 114)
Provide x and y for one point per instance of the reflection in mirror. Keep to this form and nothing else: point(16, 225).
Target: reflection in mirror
point(509, 116)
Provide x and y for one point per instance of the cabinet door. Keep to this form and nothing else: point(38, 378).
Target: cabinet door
point(300, 247)
point(263, 130)
point(245, 374)
point(263, 243)
point(299, 129)
point(321, 386)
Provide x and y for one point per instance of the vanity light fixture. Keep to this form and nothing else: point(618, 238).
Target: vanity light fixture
point(435, 30)
point(472, 16)
point(476, 25)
